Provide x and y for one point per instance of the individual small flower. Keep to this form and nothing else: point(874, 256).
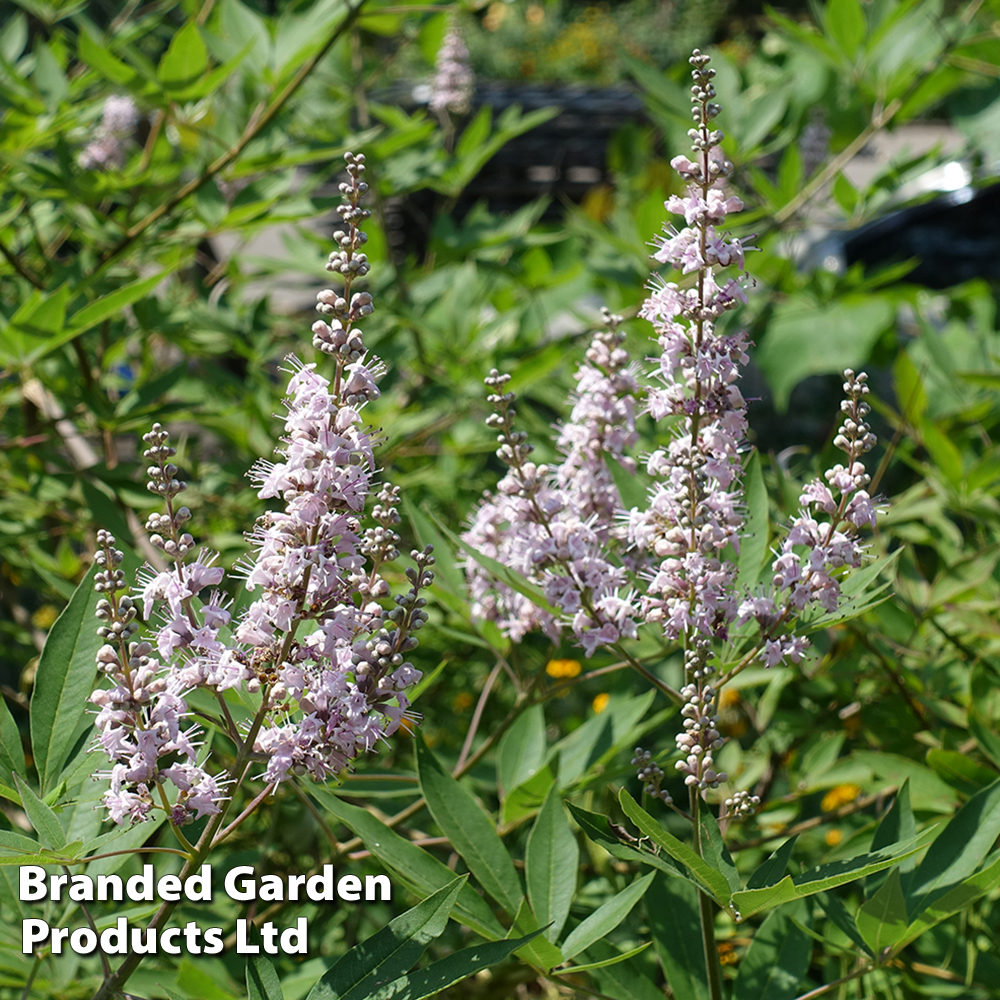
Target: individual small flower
point(107, 149)
point(454, 81)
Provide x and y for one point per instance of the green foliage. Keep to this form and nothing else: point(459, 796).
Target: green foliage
point(127, 296)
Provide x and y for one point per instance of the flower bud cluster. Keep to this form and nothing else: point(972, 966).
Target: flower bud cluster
point(741, 805)
point(553, 524)
point(651, 774)
point(700, 737)
point(454, 81)
point(106, 151)
point(327, 659)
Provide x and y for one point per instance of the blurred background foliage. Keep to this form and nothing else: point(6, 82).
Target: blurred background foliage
point(169, 288)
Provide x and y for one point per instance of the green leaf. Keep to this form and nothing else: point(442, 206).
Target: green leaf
point(776, 964)
point(185, 60)
point(809, 338)
point(41, 816)
point(960, 771)
point(95, 54)
point(623, 957)
point(521, 752)
point(672, 911)
point(598, 737)
point(11, 750)
point(528, 797)
point(954, 900)
point(391, 952)
point(754, 549)
point(714, 848)
point(597, 828)
point(896, 826)
point(504, 574)
point(605, 918)
point(421, 869)
point(957, 852)
point(539, 951)
point(842, 919)
point(712, 880)
point(822, 878)
point(262, 980)
point(466, 825)
point(773, 869)
point(845, 24)
point(475, 133)
point(550, 863)
point(431, 981)
point(67, 671)
point(882, 920)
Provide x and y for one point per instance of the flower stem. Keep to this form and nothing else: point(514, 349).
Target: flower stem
point(706, 911)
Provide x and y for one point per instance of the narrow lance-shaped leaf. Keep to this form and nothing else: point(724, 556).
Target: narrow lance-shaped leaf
point(431, 981)
point(672, 910)
point(776, 964)
point(882, 919)
point(605, 918)
point(957, 852)
point(550, 862)
point(470, 831)
point(262, 980)
point(41, 816)
point(11, 751)
point(419, 868)
point(65, 679)
point(712, 880)
point(391, 952)
point(825, 877)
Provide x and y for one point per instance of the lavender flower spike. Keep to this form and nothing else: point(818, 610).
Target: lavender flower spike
point(107, 149)
point(454, 82)
point(327, 659)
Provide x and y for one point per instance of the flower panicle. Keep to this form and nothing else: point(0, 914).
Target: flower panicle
point(328, 660)
point(552, 523)
point(454, 82)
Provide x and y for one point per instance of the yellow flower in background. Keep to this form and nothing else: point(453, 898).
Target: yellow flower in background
point(45, 616)
point(563, 668)
point(839, 796)
point(462, 701)
point(534, 14)
point(833, 837)
point(600, 703)
point(494, 16)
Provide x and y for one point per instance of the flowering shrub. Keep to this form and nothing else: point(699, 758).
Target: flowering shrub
point(813, 778)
